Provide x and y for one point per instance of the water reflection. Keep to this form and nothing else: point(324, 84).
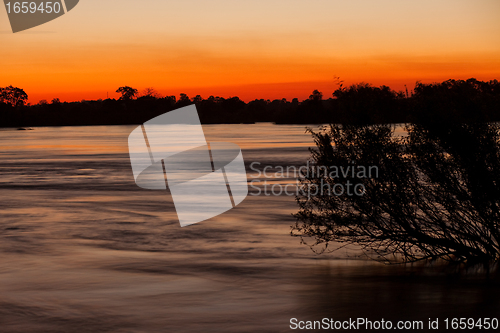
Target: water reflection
point(342, 290)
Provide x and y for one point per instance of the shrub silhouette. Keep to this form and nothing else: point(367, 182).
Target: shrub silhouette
point(437, 194)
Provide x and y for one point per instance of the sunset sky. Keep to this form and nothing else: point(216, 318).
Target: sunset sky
point(251, 49)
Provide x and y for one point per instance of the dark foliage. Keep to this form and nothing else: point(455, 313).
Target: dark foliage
point(127, 93)
point(13, 96)
point(358, 104)
point(437, 190)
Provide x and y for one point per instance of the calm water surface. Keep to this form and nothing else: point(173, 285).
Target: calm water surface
point(83, 249)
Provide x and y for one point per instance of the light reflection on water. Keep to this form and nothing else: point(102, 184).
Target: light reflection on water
point(85, 250)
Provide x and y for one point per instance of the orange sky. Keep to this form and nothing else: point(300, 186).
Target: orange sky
point(253, 49)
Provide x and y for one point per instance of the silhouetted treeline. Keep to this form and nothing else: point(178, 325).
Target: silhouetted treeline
point(469, 100)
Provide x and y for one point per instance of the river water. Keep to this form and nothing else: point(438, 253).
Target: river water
point(83, 249)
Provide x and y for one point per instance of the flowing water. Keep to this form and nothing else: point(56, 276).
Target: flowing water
point(83, 249)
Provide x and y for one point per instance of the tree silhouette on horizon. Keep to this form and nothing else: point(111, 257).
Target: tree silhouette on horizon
point(13, 96)
point(127, 93)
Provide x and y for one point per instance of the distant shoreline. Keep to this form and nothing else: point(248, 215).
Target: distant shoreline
point(362, 104)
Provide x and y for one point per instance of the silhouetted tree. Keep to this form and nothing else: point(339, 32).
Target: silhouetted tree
point(456, 100)
point(184, 100)
point(13, 96)
point(198, 99)
point(316, 96)
point(150, 93)
point(436, 195)
point(364, 104)
point(127, 93)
